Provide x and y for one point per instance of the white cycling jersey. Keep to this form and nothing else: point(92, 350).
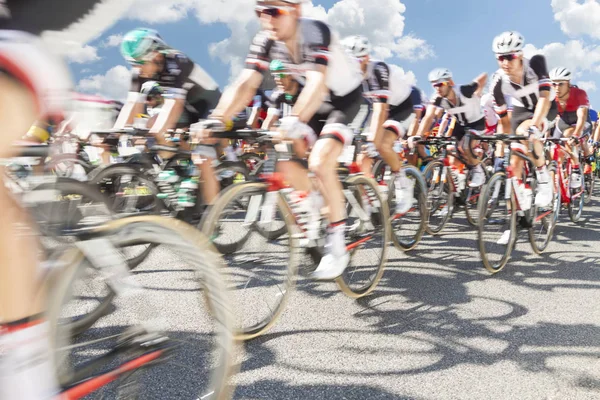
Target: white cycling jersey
point(383, 84)
point(319, 45)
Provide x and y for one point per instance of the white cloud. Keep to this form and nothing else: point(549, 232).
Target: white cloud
point(381, 20)
point(573, 54)
point(588, 86)
point(114, 84)
point(113, 40)
point(80, 54)
point(409, 76)
point(578, 18)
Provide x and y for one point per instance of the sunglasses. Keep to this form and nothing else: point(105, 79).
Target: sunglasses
point(507, 57)
point(280, 76)
point(559, 83)
point(272, 11)
point(441, 84)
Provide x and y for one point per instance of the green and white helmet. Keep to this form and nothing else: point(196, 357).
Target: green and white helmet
point(139, 43)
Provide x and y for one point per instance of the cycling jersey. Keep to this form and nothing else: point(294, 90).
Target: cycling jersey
point(383, 85)
point(525, 94)
point(467, 109)
point(577, 98)
point(181, 78)
point(283, 102)
point(592, 115)
point(417, 100)
point(318, 46)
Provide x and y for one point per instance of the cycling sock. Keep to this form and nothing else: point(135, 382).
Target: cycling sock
point(337, 237)
point(26, 367)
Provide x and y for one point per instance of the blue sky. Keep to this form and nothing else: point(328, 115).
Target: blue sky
point(417, 35)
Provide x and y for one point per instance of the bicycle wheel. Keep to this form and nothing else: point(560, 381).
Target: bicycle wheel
point(543, 219)
point(261, 270)
point(497, 228)
point(576, 202)
point(408, 228)
point(367, 236)
point(211, 346)
point(129, 191)
point(589, 182)
point(91, 296)
point(472, 199)
point(440, 196)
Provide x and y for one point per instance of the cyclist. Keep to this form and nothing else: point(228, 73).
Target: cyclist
point(188, 91)
point(527, 84)
point(573, 121)
point(392, 113)
point(312, 51)
point(463, 103)
point(283, 98)
point(154, 100)
point(33, 86)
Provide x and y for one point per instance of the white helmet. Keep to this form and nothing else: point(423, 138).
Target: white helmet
point(508, 42)
point(440, 74)
point(358, 46)
point(560, 74)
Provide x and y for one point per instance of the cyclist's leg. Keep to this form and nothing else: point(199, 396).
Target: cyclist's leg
point(336, 134)
point(32, 85)
point(294, 171)
point(206, 153)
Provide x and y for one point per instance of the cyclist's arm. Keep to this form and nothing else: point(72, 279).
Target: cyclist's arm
point(312, 95)
point(169, 114)
point(481, 80)
point(272, 118)
point(582, 116)
point(135, 104)
point(597, 132)
point(538, 64)
point(414, 125)
point(381, 75)
point(236, 97)
point(427, 120)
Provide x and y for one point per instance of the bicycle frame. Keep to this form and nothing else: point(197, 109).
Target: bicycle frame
point(559, 152)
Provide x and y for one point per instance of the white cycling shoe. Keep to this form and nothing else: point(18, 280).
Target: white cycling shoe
point(545, 190)
point(331, 266)
point(504, 238)
point(575, 180)
point(478, 177)
point(404, 191)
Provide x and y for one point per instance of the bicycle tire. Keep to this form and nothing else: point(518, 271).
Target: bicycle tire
point(381, 224)
point(409, 242)
point(590, 183)
point(155, 206)
point(499, 178)
point(433, 204)
point(472, 195)
point(575, 206)
point(196, 249)
point(210, 228)
point(548, 218)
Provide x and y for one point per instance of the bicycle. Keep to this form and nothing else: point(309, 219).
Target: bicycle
point(135, 348)
point(499, 208)
point(445, 186)
point(256, 206)
point(407, 228)
point(574, 199)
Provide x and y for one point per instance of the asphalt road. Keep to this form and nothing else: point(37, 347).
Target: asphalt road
point(439, 326)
